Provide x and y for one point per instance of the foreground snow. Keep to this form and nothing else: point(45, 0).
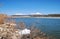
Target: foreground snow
point(25, 31)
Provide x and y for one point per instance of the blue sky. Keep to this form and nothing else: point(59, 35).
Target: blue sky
point(29, 6)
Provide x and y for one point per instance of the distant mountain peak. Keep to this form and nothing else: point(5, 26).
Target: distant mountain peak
point(37, 13)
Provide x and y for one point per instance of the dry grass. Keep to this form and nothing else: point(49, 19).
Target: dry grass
point(2, 18)
point(9, 31)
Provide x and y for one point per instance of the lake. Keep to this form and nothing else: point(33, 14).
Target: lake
point(50, 26)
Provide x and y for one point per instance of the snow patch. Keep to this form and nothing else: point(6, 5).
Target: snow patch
point(25, 31)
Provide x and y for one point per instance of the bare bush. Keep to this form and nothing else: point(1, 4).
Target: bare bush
point(2, 18)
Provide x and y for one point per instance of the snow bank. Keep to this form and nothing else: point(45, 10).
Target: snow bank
point(25, 31)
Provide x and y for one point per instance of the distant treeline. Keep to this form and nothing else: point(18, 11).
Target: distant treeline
point(35, 15)
point(49, 15)
point(54, 15)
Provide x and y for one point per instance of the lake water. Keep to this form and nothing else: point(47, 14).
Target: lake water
point(51, 26)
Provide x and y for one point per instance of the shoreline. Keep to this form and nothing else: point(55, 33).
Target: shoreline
point(47, 17)
point(37, 17)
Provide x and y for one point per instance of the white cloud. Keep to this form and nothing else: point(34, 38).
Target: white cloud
point(19, 14)
point(37, 13)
